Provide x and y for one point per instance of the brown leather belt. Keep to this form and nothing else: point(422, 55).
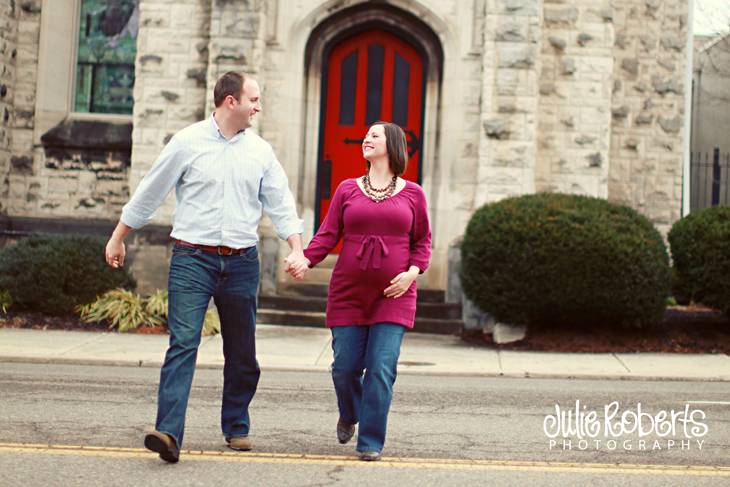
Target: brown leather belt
point(213, 249)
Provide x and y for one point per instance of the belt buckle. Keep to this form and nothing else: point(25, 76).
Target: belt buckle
point(229, 252)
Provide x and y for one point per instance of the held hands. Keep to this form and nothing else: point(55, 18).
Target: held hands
point(115, 253)
point(401, 283)
point(296, 264)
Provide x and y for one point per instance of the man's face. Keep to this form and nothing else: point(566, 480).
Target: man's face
point(249, 104)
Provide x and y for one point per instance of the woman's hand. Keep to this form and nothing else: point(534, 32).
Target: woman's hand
point(401, 283)
point(297, 265)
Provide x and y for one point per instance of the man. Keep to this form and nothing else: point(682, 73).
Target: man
point(223, 175)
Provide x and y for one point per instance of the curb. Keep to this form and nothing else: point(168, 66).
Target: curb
point(320, 368)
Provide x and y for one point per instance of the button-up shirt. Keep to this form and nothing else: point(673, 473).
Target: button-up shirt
point(221, 186)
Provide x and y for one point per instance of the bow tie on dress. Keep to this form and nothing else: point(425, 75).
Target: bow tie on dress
point(372, 248)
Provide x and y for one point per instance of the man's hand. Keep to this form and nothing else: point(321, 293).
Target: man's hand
point(115, 253)
point(296, 264)
point(401, 283)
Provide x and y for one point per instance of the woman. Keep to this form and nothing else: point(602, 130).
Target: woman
point(383, 220)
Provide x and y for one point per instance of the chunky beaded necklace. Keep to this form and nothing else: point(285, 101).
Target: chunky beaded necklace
point(378, 194)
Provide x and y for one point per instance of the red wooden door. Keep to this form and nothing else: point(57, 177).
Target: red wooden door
point(370, 76)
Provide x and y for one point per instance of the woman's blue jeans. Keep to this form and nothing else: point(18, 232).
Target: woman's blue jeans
point(232, 281)
point(366, 399)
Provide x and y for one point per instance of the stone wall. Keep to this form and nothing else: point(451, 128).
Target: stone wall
point(236, 43)
point(452, 173)
point(52, 174)
point(8, 52)
point(509, 98)
point(647, 131)
point(22, 187)
point(575, 97)
point(171, 80)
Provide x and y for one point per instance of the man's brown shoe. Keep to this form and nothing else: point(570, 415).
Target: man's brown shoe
point(345, 431)
point(239, 443)
point(163, 444)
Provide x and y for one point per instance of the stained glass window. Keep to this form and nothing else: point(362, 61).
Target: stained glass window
point(105, 61)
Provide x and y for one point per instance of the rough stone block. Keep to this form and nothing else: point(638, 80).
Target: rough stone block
point(560, 14)
point(516, 56)
point(504, 333)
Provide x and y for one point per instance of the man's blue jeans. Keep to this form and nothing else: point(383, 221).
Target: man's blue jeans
point(374, 348)
point(232, 281)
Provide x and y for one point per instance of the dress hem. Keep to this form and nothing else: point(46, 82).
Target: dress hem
point(338, 323)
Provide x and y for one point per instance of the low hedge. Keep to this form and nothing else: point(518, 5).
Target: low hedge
point(558, 259)
point(55, 273)
point(700, 246)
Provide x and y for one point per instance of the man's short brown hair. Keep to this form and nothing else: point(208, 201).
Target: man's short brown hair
point(231, 84)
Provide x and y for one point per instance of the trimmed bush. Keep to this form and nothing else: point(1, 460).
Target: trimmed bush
point(55, 273)
point(557, 259)
point(700, 245)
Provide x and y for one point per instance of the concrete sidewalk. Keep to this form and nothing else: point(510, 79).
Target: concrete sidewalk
point(309, 349)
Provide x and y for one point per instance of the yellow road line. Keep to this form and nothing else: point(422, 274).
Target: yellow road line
point(386, 462)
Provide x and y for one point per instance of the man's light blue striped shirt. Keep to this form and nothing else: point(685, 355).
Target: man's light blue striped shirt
point(221, 186)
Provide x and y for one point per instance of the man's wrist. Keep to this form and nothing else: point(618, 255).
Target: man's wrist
point(295, 242)
point(120, 233)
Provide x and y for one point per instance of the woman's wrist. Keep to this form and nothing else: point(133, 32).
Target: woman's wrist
point(414, 271)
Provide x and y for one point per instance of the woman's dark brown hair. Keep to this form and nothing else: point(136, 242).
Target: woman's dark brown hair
point(395, 144)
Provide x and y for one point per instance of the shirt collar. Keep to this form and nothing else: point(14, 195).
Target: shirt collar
point(216, 130)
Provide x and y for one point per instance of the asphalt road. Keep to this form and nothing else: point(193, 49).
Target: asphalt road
point(83, 425)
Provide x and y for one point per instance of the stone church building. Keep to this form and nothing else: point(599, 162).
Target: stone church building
point(498, 98)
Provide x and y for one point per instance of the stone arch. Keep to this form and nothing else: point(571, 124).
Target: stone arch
point(420, 26)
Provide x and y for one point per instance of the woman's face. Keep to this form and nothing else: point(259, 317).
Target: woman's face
point(373, 145)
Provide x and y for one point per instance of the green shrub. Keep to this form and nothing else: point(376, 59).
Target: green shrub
point(700, 245)
point(54, 273)
point(125, 311)
point(557, 259)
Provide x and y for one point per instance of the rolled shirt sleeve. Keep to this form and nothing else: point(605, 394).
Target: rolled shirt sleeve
point(278, 200)
point(154, 187)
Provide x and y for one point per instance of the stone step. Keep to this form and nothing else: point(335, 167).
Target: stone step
point(317, 320)
point(306, 289)
point(438, 327)
point(312, 289)
point(299, 318)
point(442, 311)
point(438, 311)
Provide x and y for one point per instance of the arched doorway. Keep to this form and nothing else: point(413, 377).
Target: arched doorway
point(369, 75)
